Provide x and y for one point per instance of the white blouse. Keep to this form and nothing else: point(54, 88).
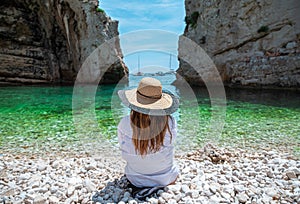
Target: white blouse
point(155, 169)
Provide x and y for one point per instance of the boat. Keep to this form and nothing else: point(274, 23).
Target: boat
point(159, 74)
point(139, 73)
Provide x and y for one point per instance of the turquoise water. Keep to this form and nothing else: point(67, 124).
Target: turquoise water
point(43, 115)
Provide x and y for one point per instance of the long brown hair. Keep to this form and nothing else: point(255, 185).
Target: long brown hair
point(148, 132)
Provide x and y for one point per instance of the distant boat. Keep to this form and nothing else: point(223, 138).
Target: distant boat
point(170, 66)
point(139, 73)
point(171, 72)
point(159, 74)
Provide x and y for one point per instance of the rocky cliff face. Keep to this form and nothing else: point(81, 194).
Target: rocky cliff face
point(252, 43)
point(47, 41)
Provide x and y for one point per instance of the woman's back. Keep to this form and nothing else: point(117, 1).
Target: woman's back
point(152, 169)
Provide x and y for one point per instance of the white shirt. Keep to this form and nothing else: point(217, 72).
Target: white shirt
point(155, 169)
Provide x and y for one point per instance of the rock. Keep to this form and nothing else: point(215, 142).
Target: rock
point(291, 175)
point(53, 189)
point(74, 181)
point(172, 201)
point(270, 174)
point(271, 192)
point(41, 167)
point(186, 170)
point(116, 195)
point(161, 200)
point(241, 50)
point(132, 202)
point(214, 199)
point(174, 188)
point(159, 192)
point(53, 200)
point(39, 200)
point(239, 188)
point(242, 197)
point(194, 194)
point(126, 195)
point(89, 185)
point(153, 201)
point(70, 191)
point(185, 188)
point(296, 170)
point(25, 176)
point(166, 196)
point(43, 190)
point(178, 197)
point(214, 187)
point(53, 48)
point(91, 166)
point(291, 45)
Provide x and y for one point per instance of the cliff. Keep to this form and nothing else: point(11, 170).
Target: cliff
point(252, 43)
point(47, 41)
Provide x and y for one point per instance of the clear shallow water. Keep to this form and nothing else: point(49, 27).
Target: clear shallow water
point(34, 115)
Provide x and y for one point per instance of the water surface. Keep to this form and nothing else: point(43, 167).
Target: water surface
point(40, 116)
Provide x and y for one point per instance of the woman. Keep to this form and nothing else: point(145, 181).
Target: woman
point(147, 135)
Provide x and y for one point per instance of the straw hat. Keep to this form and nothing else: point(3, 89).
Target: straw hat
point(149, 98)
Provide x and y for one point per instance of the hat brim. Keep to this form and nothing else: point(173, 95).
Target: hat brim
point(167, 105)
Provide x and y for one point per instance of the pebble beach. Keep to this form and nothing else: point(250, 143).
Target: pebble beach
point(208, 175)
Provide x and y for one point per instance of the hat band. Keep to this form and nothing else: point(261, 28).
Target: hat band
point(151, 97)
point(143, 99)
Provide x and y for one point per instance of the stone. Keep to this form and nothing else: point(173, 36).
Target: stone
point(91, 166)
point(242, 197)
point(214, 187)
point(226, 196)
point(239, 188)
point(178, 197)
point(296, 170)
point(161, 200)
point(132, 202)
point(271, 192)
point(39, 199)
point(53, 189)
point(70, 190)
point(291, 175)
point(166, 196)
point(126, 195)
point(194, 194)
point(89, 185)
point(172, 201)
point(291, 45)
point(43, 190)
point(8, 192)
point(159, 192)
point(25, 176)
point(153, 201)
point(53, 200)
point(41, 167)
point(185, 188)
point(174, 188)
point(75, 181)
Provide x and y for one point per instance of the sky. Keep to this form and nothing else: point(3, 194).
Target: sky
point(149, 30)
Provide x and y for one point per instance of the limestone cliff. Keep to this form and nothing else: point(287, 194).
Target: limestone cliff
point(47, 41)
point(252, 42)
